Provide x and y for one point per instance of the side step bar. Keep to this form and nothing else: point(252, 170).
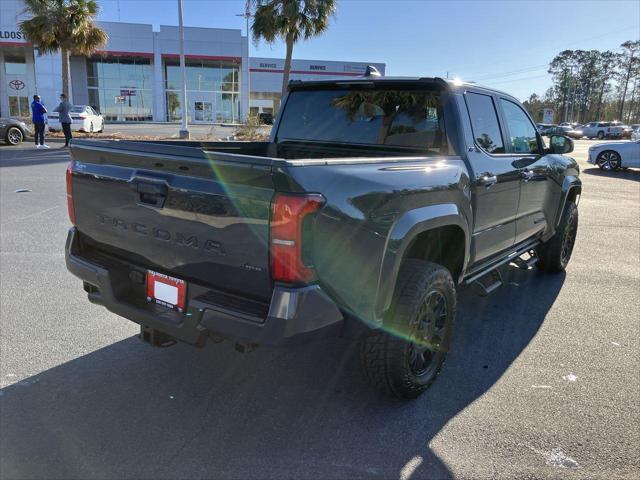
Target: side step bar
point(488, 283)
point(489, 278)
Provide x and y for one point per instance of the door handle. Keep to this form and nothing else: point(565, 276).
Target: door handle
point(150, 191)
point(487, 180)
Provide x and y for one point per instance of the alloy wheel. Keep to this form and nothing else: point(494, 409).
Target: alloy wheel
point(14, 136)
point(609, 161)
point(568, 241)
point(428, 332)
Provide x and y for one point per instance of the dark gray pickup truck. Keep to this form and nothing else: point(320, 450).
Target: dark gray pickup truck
point(374, 198)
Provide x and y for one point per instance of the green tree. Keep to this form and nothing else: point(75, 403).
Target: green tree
point(607, 62)
point(290, 20)
point(67, 26)
point(630, 63)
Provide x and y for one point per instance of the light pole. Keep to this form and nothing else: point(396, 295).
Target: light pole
point(184, 131)
point(247, 16)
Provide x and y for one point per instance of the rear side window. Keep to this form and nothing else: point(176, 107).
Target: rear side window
point(484, 122)
point(522, 133)
point(400, 118)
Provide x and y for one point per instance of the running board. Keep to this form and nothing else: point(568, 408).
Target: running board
point(527, 247)
point(488, 283)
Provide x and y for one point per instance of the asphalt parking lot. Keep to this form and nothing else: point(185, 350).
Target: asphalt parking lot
point(543, 380)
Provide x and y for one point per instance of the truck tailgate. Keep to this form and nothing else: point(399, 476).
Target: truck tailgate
point(198, 216)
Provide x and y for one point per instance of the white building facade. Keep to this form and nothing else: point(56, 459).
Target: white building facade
point(136, 77)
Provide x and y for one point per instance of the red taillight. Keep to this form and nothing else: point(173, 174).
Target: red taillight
point(287, 215)
point(72, 212)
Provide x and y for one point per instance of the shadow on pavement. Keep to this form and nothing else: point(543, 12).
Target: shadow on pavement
point(131, 411)
point(630, 174)
point(28, 155)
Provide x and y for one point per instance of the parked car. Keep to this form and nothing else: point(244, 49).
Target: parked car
point(615, 155)
point(13, 131)
point(635, 135)
point(562, 130)
point(359, 217)
point(84, 117)
point(602, 130)
point(572, 132)
point(627, 130)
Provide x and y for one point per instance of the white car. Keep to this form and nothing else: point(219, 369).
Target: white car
point(615, 155)
point(635, 135)
point(84, 117)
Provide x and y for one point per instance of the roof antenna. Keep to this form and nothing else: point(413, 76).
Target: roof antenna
point(371, 71)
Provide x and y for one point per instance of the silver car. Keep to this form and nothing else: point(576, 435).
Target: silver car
point(13, 131)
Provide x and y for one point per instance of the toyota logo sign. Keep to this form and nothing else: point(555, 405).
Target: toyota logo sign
point(17, 84)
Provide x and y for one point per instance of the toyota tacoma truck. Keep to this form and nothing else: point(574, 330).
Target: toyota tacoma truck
point(372, 201)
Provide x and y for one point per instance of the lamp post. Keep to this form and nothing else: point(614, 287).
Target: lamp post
point(184, 131)
point(247, 16)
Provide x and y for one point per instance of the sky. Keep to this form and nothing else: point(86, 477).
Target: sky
point(503, 44)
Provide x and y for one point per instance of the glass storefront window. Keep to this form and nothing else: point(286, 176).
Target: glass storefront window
point(121, 87)
point(212, 90)
point(15, 64)
point(19, 106)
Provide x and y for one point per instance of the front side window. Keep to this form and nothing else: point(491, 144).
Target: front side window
point(522, 133)
point(399, 118)
point(484, 122)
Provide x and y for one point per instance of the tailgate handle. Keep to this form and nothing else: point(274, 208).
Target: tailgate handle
point(152, 192)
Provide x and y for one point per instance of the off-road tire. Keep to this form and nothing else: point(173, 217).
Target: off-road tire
point(552, 256)
point(386, 354)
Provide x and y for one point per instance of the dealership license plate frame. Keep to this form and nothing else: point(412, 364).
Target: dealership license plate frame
point(167, 291)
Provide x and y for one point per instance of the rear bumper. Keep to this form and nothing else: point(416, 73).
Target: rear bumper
point(294, 314)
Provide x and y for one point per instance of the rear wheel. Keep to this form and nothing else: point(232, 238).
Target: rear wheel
point(608, 160)
point(14, 136)
point(405, 357)
point(600, 135)
point(554, 255)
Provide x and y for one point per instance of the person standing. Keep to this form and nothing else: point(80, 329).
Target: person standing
point(65, 118)
point(37, 116)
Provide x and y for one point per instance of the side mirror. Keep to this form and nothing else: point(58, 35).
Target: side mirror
point(560, 144)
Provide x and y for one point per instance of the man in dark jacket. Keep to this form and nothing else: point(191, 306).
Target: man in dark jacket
point(65, 118)
point(37, 116)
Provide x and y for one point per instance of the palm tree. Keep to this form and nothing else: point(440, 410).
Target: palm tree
point(291, 20)
point(67, 26)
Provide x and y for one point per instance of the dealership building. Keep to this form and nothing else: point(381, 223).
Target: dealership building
point(137, 77)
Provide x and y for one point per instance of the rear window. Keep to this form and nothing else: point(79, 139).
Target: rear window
point(400, 118)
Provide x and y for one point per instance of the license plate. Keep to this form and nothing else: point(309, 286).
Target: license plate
point(167, 291)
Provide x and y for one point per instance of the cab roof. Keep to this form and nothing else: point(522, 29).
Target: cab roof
point(454, 85)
